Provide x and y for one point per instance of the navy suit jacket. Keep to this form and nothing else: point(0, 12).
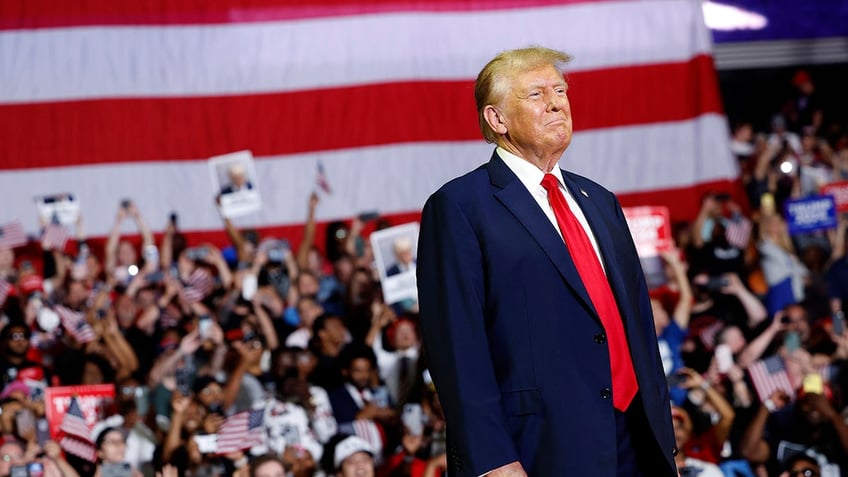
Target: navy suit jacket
point(516, 350)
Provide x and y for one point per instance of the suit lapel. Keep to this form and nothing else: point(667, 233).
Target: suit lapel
point(514, 196)
point(599, 222)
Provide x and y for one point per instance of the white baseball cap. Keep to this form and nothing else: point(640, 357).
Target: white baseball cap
point(349, 446)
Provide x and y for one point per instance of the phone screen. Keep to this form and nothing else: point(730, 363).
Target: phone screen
point(792, 341)
point(121, 469)
point(724, 358)
point(413, 419)
point(838, 323)
point(25, 423)
point(204, 326)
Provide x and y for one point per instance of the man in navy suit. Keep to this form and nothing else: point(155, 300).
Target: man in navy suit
point(519, 341)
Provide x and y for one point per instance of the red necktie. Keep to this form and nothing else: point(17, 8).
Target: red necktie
point(624, 385)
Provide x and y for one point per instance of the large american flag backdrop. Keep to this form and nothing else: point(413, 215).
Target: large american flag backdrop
point(109, 99)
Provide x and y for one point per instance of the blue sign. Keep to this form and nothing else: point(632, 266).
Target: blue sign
point(810, 214)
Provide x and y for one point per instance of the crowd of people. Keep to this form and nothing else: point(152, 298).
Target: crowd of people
point(333, 381)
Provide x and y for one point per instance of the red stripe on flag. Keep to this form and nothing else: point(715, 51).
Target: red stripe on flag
point(50, 13)
point(149, 129)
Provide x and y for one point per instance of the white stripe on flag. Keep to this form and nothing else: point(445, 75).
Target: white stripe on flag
point(377, 48)
point(367, 178)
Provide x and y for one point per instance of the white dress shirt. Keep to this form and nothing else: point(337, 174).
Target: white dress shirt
point(531, 176)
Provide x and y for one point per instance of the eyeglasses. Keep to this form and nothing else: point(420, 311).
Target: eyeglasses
point(805, 472)
point(209, 390)
point(17, 336)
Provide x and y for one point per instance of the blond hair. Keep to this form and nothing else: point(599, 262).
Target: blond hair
point(492, 83)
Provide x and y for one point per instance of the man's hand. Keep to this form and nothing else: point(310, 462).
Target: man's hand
point(510, 470)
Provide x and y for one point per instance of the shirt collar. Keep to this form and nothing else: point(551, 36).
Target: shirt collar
point(529, 175)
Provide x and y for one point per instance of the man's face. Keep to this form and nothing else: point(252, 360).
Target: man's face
point(405, 336)
point(335, 331)
point(18, 344)
point(537, 113)
point(360, 373)
point(404, 255)
point(358, 465)
point(238, 178)
point(798, 321)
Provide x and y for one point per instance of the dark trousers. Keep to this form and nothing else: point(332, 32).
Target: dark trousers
point(639, 454)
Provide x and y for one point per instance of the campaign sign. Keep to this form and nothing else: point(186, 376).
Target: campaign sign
point(94, 400)
point(395, 253)
point(235, 180)
point(650, 228)
point(839, 191)
point(61, 208)
point(810, 214)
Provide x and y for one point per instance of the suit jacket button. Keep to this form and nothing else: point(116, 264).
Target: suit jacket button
point(600, 338)
point(606, 393)
point(674, 451)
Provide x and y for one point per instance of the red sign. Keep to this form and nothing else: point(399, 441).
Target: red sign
point(94, 400)
point(650, 228)
point(839, 191)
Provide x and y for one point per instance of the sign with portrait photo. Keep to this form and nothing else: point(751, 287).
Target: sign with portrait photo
point(61, 208)
point(396, 254)
point(234, 180)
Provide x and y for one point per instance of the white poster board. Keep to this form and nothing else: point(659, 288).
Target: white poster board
point(396, 255)
point(62, 208)
point(234, 181)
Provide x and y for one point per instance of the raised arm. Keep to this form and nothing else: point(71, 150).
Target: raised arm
point(111, 248)
point(308, 234)
point(683, 308)
point(758, 345)
point(143, 229)
point(754, 308)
